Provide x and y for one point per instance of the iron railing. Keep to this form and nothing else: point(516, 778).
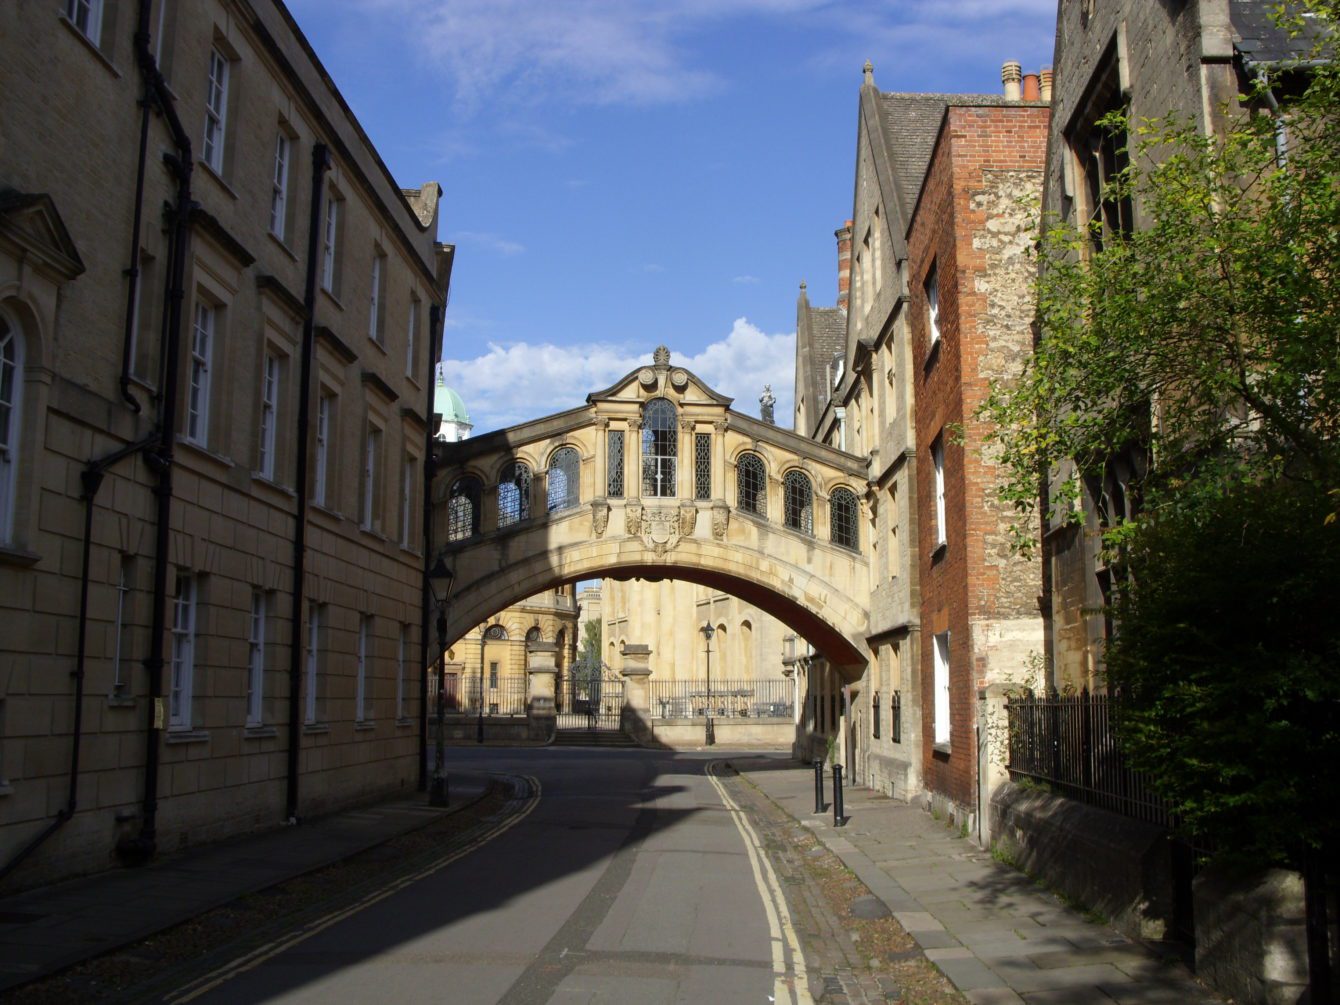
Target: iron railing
point(508, 697)
point(1068, 743)
point(753, 699)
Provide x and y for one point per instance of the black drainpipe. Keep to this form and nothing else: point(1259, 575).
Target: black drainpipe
point(320, 164)
point(160, 458)
point(435, 317)
point(133, 293)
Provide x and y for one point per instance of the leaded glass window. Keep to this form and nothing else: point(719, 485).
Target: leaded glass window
point(702, 466)
point(463, 508)
point(495, 633)
point(799, 502)
point(751, 484)
point(533, 635)
point(660, 448)
point(842, 511)
point(614, 463)
point(514, 494)
point(564, 488)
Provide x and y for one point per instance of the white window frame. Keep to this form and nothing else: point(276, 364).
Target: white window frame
point(324, 408)
point(402, 647)
point(183, 653)
point(933, 306)
point(375, 297)
point(11, 420)
point(312, 672)
point(269, 413)
point(279, 191)
point(371, 450)
point(260, 612)
point(216, 109)
point(940, 647)
point(202, 347)
point(125, 569)
point(330, 235)
point(361, 680)
point(407, 501)
point(411, 331)
point(938, 462)
point(86, 16)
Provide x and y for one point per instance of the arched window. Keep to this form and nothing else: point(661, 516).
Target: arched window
point(463, 507)
point(564, 488)
point(799, 502)
point(842, 512)
point(533, 634)
point(11, 389)
point(514, 494)
point(751, 484)
point(495, 633)
point(660, 447)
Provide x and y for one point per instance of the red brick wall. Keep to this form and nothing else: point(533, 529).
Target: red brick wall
point(984, 158)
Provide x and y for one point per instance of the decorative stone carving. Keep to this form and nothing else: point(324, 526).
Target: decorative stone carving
point(688, 518)
point(600, 516)
point(647, 377)
point(661, 357)
point(720, 520)
point(679, 379)
point(632, 517)
point(720, 425)
point(687, 425)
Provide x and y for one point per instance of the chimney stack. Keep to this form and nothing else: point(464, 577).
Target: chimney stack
point(843, 235)
point(1045, 80)
point(1010, 75)
point(1031, 89)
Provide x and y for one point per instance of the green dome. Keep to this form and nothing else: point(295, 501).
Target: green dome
point(448, 404)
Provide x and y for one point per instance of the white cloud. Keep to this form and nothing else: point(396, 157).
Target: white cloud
point(518, 382)
point(745, 280)
point(651, 268)
point(492, 242)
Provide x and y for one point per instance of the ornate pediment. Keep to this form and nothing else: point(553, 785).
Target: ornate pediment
point(661, 379)
point(33, 226)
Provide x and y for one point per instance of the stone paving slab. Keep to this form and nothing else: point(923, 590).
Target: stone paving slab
point(999, 938)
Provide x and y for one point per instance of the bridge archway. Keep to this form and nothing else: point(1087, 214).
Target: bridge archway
point(665, 500)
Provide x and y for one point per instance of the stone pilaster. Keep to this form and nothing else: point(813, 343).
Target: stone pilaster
point(635, 717)
point(541, 672)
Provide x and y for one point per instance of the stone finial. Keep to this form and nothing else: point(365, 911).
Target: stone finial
point(803, 287)
point(765, 402)
point(661, 357)
point(869, 72)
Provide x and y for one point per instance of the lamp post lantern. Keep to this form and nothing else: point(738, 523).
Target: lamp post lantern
point(710, 735)
point(440, 578)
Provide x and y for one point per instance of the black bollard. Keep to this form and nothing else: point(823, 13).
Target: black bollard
point(818, 786)
point(837, 795)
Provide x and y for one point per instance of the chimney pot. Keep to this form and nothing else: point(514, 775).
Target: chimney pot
point(1010, 75)
point(1045, 84)
point(1031, 89)
point(843, 235)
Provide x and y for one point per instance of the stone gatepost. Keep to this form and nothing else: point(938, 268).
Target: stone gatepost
point(993, 751)
point(541, 671)
point(635, 717)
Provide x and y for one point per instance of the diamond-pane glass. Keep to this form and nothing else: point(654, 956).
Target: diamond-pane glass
point(842, 510)
point(514, 494)
point(660, 448)
point(799, 500)
point(463, 508)
point(751, 485)
point(702, 466)
point(614, 463)
point(564, 488)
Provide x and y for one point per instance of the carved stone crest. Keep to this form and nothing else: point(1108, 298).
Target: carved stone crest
point(632, 517)
point(720, 520)
point(600, 516)
point(688, 518)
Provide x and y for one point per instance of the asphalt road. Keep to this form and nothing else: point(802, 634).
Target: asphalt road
point(630, 878)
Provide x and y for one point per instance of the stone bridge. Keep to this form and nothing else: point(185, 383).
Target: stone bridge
point(657, 477)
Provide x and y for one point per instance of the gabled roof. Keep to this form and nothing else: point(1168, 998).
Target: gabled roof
point(32, 222)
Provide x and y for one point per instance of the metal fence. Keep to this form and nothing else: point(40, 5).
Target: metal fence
point(505, 696)
point(1067, 742)
point(751, 699)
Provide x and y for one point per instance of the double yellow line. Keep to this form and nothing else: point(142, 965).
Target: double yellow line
point(249, 961)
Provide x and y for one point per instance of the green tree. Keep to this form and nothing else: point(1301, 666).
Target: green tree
point(591, 643)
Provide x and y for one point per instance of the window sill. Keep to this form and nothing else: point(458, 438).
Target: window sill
point(211, 172)
point(415, 552)
point(940, 551)
point(115, 700)
point(932, 353)
point(279, 243)
point(205, 452)
point(403, 723)
point(15, 556)
point(91, 46)
point(379, 343)
point(316, 728)
point(183, 737)
point(365, 726)
point(259, 733)
point(943, 749)
point(259, 479)
point(330, 295)
point(325, 510)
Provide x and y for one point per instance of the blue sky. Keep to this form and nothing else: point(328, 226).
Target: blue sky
point(621, 174)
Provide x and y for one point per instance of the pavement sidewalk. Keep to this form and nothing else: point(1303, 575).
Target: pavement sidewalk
point(998, 937)
point(47, 929)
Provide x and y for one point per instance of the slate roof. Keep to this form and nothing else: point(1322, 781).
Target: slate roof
point(828, 338)
point(1260, 40)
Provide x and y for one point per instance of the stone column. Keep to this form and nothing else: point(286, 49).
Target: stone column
point(541, 669)
point(635, 717)
point(993, 754)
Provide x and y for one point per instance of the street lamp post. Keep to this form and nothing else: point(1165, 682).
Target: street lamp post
point(440, 579)
point(479, 730)
point(710, 736)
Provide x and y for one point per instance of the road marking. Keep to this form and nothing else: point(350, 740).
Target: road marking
point(249, 961)
point(791, 985)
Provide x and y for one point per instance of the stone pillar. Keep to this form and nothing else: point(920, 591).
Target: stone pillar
point(993, 754)
point(635, 717)
point(541, 669)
